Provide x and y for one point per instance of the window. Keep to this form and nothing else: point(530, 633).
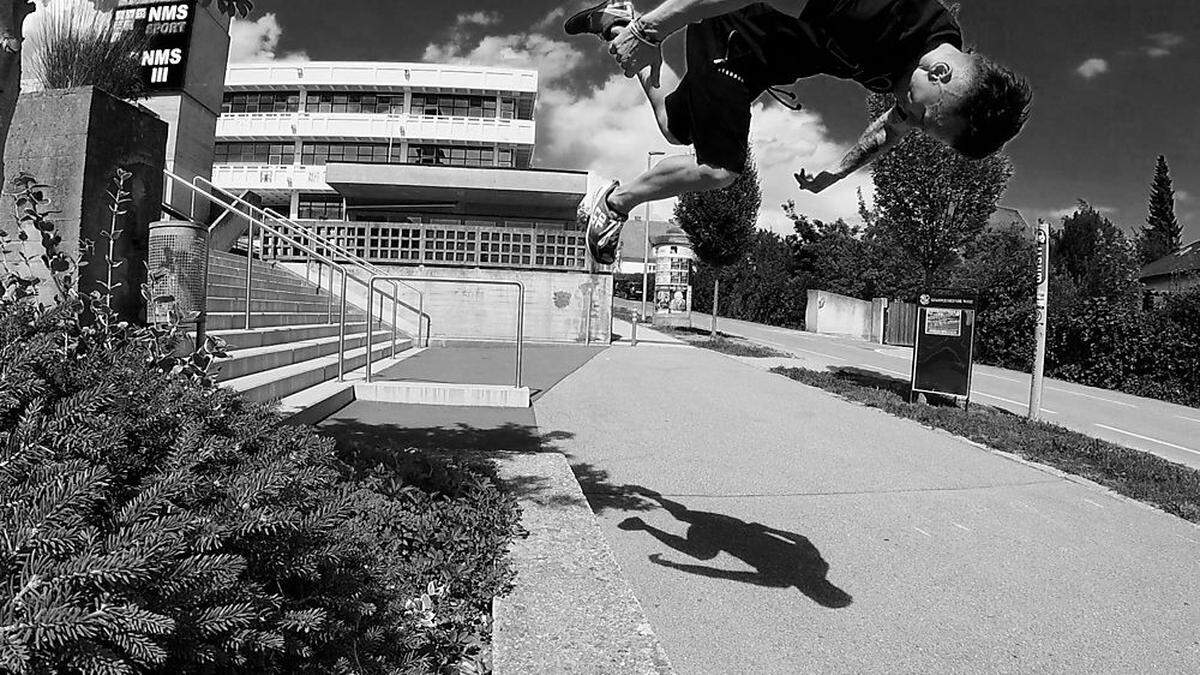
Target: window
point(453, 105)
point(525, 108)
point(261, 102)
point(451, 155)
point(320, 154)
point(275, 154)
point(320, 207)
point(354, 102)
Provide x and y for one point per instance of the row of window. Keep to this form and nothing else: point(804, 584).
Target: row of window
point(447, 244)
point(320, 154)
point(447, 105)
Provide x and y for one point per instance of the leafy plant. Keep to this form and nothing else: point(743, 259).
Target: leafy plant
point(154, 522)
point(81, 47)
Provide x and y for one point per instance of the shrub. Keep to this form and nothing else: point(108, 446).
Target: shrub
point(155, 522)
point(80, 47)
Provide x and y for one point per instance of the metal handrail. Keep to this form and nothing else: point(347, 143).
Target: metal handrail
point(334, 265)
point(436, 280)
point(322, 242)
point(341, 251)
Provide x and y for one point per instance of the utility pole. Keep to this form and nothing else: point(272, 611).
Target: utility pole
point(646, 250)
point(1043, 309)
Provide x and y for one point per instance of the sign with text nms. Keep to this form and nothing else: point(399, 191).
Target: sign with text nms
point(167, 28)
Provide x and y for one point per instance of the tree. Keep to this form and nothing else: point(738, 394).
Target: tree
point(761, 286)
point(12, 34)
point(929, 200)
point(1093, 257)
point(1163, 235)
point(721, 223)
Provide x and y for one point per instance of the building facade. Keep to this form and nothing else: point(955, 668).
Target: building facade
point(412, 165)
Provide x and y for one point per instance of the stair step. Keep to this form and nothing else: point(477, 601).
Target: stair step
point(238, 280)
point(256, 360)
point(239, 338)
point(277, 383)
point(265, 301)
point(260, 272)
point(235, 320)
point(238, 291)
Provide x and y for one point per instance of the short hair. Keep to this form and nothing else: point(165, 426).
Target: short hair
point(994, 111)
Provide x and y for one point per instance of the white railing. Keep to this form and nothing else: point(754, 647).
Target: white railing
point(380, 76)
point(261, 126)
point(270, 177)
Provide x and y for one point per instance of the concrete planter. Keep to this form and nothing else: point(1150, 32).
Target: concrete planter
point(74, 140)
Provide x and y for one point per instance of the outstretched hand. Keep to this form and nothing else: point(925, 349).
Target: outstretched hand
point(815, 183)
point(634, 55)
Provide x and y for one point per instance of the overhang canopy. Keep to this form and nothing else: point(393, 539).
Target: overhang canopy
point(514, 193)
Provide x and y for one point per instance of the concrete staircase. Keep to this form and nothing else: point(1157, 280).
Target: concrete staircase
point(291, 346)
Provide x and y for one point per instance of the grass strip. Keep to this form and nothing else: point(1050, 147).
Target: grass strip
point(1172, 487)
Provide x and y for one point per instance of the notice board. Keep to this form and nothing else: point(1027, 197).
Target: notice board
point(943, 357)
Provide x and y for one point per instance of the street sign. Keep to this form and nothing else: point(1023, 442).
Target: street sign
point(1037, 385)
point(1043, 255)
point(167, 28)
point(943, 357)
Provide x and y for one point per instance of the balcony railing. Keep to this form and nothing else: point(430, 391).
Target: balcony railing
point(473, 243)
point(239, 177)
point(368, 126)
point(369, 76)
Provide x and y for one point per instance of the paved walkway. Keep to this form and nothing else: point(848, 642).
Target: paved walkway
point(767, 527)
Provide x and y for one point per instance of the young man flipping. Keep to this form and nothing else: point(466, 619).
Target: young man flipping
point(736, 50)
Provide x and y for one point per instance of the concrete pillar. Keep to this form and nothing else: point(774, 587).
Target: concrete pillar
point(878, 311)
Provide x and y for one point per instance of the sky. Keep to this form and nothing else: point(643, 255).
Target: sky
point(1117, 82)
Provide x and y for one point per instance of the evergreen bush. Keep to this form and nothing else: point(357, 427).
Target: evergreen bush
point(156, 523)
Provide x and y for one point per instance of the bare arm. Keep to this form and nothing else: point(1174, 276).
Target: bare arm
point(883, 135)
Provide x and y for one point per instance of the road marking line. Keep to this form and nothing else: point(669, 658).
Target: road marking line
point(1147, 438)
point(1094, 398)
point(1190, 419)
point(1093, 503)
point(923, 532)
point(961, 527)
point(999, 377)
point(1009, 400)
point(809, 351)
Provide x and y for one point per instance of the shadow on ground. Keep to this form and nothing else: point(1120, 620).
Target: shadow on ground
point(780, 559)
point(894, 385)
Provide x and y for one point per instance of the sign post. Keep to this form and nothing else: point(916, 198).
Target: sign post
point(1043, 308)
point(943, 357)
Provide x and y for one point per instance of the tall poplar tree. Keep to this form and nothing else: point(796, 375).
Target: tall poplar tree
point(1163, 235)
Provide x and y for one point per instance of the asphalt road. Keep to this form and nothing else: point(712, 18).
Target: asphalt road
point(1170, 431)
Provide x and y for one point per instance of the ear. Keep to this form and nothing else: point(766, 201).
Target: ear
point(941, 72)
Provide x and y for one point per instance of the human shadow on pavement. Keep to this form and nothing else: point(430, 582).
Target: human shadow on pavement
point(781, 559)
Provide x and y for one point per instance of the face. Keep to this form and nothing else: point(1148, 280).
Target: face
point(941, 80)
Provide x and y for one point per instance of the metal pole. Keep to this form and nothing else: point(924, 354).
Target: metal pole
point(1043, 306)
point(249, 272)
point(646, 247)
point(342, 333)
point(587, 340)
point(521, 331)
point(422, 323)
point(330, 301)
point(370, 340)
point(395, 306)
point(716, 300)
point(636, 320)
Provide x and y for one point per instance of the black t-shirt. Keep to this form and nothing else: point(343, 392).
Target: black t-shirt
point(876, 43)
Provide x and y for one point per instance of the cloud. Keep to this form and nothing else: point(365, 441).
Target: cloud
point(1092, 68)
point(1163, 44)
point(608, 127)
point(259, 41)
point(1183, 196)
point(1059, 214)
point(478, 19)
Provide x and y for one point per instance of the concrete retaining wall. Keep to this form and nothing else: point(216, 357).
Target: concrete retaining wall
point(556, 304)
point(833, 314)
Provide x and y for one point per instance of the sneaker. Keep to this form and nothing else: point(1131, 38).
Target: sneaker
point(601, 19)
point(602, 224)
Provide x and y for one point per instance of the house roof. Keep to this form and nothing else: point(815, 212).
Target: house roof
point(1185, 261)
point(1006, 218)
point(633, 237)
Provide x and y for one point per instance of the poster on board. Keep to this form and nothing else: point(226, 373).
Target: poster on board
point(943, 357)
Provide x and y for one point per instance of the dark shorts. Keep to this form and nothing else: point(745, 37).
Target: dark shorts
point(710, 110)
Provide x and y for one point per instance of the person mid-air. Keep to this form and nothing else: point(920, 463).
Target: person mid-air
point(736, 50)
